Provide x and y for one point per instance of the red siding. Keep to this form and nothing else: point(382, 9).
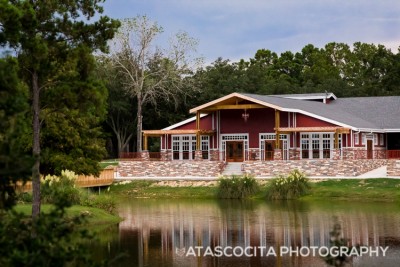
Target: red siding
point(205, 124)
point(307, 121)
point(259, 121)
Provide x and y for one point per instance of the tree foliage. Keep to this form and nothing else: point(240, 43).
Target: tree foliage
point(44, 33)
point(150, 73)
point(15, 162)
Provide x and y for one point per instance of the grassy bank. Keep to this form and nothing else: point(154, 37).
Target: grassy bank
point(170, 189)
point(380, 189)
point(94, 216)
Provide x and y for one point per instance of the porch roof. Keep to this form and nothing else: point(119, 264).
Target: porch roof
point(313, 129)
point(174, 131)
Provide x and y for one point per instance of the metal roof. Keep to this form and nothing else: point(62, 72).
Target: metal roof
point(359, 112)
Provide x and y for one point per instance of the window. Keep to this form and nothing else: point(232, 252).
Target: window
point(183, 147)
point(375, 139)
point(205, 146)
point(356, 139)
point(381, 140)
point(271, 136)
point(318, 145)
point(363, 139)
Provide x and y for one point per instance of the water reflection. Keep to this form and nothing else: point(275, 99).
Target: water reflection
point(153, 230)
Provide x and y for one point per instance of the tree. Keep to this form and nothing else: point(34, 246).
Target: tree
point(120, 118)
point(150, 73)
point(43, 33)
point(15, 162)
point(72, 112)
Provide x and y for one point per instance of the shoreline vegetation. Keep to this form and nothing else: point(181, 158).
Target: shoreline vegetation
point(374, 189)
point(93, 216)
point(361, 190)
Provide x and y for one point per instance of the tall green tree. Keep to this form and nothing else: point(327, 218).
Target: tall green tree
point(43, 33)
point(15, 162)
point(72, 112)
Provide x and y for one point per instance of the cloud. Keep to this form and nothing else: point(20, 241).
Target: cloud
point(235, 29)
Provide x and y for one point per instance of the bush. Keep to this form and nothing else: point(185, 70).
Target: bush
point(61, 188)
point(24, 197)
point(104, 202)
point(58, 240)
point(293, 186)
point(237, 186)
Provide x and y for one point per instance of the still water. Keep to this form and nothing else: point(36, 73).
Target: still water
point(237, 233)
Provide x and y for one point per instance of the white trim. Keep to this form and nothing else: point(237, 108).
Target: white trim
point(245, 143)
point(320, 139)
point(173, 126)
point(194, 110)
point(354, 139)
point(285, 138)
point(311, 97)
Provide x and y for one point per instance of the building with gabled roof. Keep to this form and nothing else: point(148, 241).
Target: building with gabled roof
point(241, 126)
point(255, 129)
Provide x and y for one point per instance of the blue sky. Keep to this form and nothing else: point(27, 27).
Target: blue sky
point(236, 29)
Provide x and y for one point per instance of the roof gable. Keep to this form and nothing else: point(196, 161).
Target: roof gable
point(358, 113)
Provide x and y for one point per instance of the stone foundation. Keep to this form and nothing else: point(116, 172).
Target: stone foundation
point(177, 168)
point(393, 167)
point(206, 168)
point(330, 168)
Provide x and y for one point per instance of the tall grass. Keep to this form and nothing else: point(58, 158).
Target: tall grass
point(57, 189)
point(293, 186)
point(237, 186)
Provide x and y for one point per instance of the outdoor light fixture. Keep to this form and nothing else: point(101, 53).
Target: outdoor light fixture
point(245, 115)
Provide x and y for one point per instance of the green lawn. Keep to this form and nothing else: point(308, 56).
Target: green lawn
point(380, 189)
point(94, 215)
point(147, 189)
point(105, 163)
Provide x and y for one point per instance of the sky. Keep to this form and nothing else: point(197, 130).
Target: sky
point(236, 29)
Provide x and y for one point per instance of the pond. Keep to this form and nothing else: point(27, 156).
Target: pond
point(250, 233)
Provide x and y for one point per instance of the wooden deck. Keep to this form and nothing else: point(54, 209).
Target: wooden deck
point(106, 178)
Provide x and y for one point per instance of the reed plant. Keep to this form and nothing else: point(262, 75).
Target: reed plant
point(237, 186)
point(293, 186)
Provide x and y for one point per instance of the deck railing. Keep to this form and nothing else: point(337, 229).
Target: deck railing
point(105, 178)
point(139, 155)
point(393, 154)
point(291, 154)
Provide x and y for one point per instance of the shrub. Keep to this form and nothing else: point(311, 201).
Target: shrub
point(237, 186)
point(293, 186)
point(61, 188)
point(104, 202)
point(24, 197)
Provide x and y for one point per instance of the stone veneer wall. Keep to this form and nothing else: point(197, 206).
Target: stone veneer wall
point(205, 168)
point(143, 169)
point(393, 167)
point(339, 168)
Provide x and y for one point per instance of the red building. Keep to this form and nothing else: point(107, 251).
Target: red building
point(247, 127)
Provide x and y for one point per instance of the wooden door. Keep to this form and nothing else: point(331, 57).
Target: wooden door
point(234, 151)
point(269, 149)
point(369, 149)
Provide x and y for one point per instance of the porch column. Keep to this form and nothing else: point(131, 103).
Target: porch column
point(278, 150)
point(277, 125)
point(336, 152)
point(145, 142)
point(198, 155)
point(336, 140)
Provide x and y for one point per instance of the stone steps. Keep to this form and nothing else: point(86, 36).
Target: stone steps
point(233, 168)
